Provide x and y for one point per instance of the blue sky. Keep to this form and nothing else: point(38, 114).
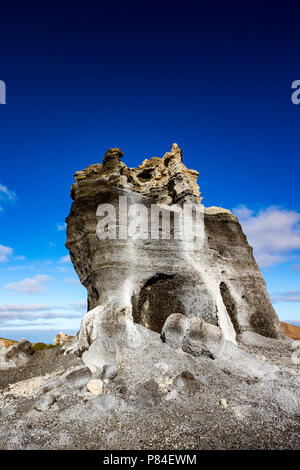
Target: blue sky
point(82, 77)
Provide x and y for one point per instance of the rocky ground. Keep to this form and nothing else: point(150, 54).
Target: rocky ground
point(162, 398)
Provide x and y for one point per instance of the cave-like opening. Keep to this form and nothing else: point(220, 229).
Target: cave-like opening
point(230, 306)
point(156, 300)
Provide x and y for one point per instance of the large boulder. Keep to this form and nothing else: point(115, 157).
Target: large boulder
point(174, 329)
point(16, 355)
point(202, 338)
point(193, 335)
point(103, 354)
point(152, 274)
point(78, 378)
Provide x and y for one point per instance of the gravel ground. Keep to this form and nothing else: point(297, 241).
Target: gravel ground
point(161, 399)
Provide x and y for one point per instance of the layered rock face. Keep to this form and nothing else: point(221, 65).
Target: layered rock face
point(144, 279)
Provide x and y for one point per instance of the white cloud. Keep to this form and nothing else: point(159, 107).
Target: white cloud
point(274, 233)
point(65, 259)
point(32, 312)
point(43, 278)
point(29, 285)
point(242, 212)
point(6, 195)
point(5, 192)
point(5, 253)
point(72, 280)
point(23, 308)
point(20, 258)
point(79, 305)
point(289, 296)
point(295, 267)
point(61, 227)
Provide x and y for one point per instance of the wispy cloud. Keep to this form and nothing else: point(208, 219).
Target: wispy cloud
point(65, 259)
point(72, 280)
point(62, 264)
point(43, 278)
point(288, 296)
point(295, 267)
point(79, 305)
point(5, 253)
point(61, 227)
point(274, 233)
point(6, 196)
point(19, 258)
point(33, 285)
point(33, 312)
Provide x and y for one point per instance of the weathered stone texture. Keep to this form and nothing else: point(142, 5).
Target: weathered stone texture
point(144, 281)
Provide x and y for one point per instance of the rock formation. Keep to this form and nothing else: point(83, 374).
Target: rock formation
point(175, 339)
point(62, 338)
point(15, 355)
point(132, 280)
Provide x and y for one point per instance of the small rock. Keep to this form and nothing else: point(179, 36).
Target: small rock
point(171, 395)
point(45, 402)
point(186, 383)
point(110, 371)
point(238, 413)
point(223, 402)
point(78, 378)
point(95, 386)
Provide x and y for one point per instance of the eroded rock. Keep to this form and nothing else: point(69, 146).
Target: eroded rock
point(145, 280)
point(62, 338)
point(193, 335)
point(186, 383)
point(202, 338)
point(16, 355)
point(78, 378)
point(102, 353)
point(45, 402)
point(175, 328)
point(95, 386)
point(22, 347)
point(110, 372)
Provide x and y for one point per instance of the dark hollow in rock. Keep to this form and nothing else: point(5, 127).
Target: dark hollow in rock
point(164, 294)
point(230, 306)
point(156, 301)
